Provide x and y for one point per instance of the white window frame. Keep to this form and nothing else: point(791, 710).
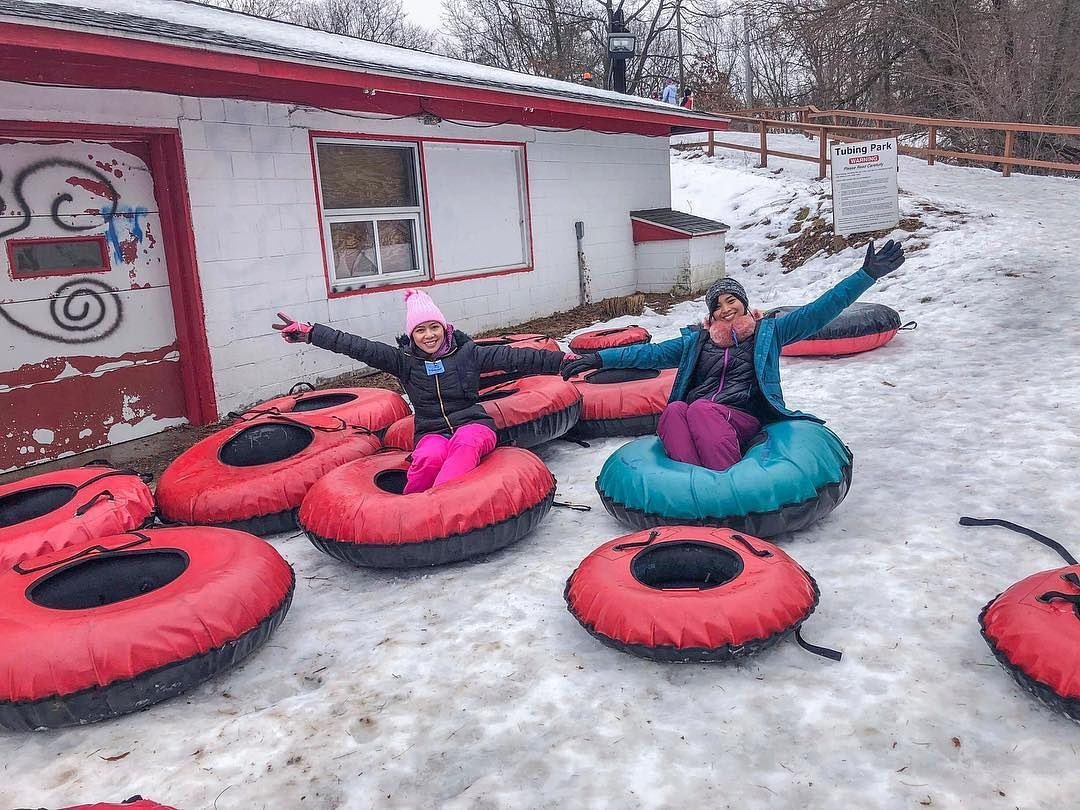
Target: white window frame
point(414, 214)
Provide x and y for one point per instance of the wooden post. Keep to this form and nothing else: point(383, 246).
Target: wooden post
point(931, 142)
point(763, 132)
point(1006, 168)
point(712, 143)
point(823, 154)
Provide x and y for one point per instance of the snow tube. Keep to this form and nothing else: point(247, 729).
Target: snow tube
point(49, 511)
point(621, 401)
point(134, 803)
point(1033, 628)
point(113, 625)
point(859, 328)
point(372, 408)
point(527, 412)
point(683, 594)
point(598, 339)
point(524, 341)
point(253, 474)
point(358, 514)
point(796, 473)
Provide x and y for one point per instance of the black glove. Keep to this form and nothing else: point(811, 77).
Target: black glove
point(571, 368)
point(884, 261)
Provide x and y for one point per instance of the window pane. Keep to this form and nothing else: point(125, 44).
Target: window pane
point(353, 244)
point(397, 245)
point(366, 176)
point(62, 255)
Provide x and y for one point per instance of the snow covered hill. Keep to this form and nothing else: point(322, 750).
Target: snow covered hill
point(471, 686)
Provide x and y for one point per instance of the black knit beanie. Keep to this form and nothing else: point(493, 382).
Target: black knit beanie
point(725, 286)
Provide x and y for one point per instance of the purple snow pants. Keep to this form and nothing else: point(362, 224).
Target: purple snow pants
point(705, 433)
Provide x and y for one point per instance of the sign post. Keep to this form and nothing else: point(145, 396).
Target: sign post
point(865, 195)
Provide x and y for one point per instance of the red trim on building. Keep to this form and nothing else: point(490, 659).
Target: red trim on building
point(651, 232)
point(14, 275)
point(170, 187)
point(425, 206)
point(30, 53)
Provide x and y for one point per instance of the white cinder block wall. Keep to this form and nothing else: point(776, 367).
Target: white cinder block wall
point(256, 224)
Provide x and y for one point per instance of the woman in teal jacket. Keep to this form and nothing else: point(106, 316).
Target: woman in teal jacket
point(728, 379)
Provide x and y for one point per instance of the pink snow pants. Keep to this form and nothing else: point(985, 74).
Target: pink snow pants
point(438, 459)
point(705, 433)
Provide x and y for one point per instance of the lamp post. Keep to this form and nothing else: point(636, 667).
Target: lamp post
point(621, 46)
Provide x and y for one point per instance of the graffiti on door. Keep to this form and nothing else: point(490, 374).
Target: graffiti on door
point(86, 311)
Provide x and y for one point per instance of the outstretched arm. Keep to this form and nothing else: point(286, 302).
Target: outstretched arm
point(510, 358)
point(644, 355)
point(806, 320)
point(375, 354)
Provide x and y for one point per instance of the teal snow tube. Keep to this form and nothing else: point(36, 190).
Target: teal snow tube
point(796, 472)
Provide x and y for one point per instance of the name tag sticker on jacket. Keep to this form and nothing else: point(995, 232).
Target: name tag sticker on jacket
point(433, 368)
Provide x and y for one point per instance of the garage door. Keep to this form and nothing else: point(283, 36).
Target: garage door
point(86, 316)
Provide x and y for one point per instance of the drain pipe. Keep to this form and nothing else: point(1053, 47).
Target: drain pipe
point(584, 280)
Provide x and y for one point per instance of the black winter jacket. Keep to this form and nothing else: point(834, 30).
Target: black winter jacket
point(445, 399)
point(726, 376)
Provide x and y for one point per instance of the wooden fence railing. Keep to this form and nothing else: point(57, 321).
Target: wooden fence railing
point(823, 132)
point(811, 120)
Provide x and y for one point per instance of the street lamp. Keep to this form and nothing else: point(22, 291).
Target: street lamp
point(620, 47)
point(621, 44)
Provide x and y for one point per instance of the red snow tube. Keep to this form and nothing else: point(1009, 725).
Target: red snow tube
point(599, 339)
point(524, 341)
point(1033, 628)
point(859, 328)
point(372, 408)
point(253, 474)
point(527, 412)
point(49, 511)
point(134, 803)
point(690, 594)
point(114, 625)
point(621, 401)
point(358, 514)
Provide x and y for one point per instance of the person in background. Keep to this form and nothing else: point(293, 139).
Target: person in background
point(439, 369)
point(670, 95)
point(688, 98)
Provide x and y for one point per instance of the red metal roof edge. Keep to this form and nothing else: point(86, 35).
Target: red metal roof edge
point(77, 42)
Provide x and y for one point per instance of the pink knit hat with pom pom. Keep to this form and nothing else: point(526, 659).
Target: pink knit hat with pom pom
point(419, 308)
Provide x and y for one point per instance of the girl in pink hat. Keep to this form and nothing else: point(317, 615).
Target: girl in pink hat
point(439, 368)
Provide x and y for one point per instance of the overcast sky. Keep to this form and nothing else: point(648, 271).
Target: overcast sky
point(424, 12)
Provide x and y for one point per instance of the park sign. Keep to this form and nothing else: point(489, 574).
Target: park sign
point(865, 196)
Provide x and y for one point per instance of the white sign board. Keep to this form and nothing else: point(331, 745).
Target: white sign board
point(865, 197)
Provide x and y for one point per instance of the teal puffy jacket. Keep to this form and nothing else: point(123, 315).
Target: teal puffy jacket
point(772, 333)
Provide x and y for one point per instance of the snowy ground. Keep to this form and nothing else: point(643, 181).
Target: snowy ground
point(472, 686)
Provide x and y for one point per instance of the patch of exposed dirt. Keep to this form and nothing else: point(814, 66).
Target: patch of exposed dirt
point(818, 237)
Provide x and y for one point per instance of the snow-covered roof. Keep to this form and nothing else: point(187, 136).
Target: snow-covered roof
point(215, 29)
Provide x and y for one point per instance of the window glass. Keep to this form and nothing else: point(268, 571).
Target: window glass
point(354, 249)
point(397, 245)
point(362, 176)
point(42, 257)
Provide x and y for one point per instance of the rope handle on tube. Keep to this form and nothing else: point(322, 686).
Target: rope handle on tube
point(1034, 535)
point(140, 539)
point(824, 652)
point(86, 507)
point(301, 388)
point(577, 507)
point(623, 546)
point(908, 327)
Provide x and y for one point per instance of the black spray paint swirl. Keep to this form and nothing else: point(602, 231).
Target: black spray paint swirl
point(84, 310)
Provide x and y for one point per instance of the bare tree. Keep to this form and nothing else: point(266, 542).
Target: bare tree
point(270, 9)
point(375, 20)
